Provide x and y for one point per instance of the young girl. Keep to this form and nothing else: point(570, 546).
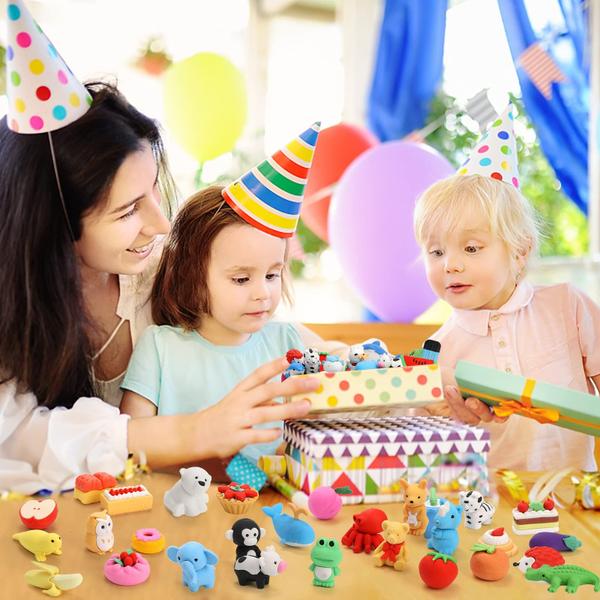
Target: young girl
point(477, 233)
point(218, 284)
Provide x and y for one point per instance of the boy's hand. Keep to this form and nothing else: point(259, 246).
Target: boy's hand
point(470, 411)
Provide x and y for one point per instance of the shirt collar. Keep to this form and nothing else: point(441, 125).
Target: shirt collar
point(477, 321)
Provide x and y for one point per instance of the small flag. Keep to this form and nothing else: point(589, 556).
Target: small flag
point(418, 136)
point(414, 136)
point(541, 69)
point(481, 110)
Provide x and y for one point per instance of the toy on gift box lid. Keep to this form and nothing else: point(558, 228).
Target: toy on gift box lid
point(371, 455)
point(372, 377)
point(514, 394)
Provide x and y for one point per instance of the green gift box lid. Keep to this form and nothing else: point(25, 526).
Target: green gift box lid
point(544, 402)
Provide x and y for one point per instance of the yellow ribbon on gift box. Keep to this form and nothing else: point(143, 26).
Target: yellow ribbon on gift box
point(525, 408)
point(587, 489)
point(514, 485)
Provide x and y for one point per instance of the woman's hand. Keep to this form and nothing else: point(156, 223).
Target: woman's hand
point(227, 426)
point(470, 411)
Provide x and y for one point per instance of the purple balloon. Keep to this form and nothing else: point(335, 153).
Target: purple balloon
point(370, 227)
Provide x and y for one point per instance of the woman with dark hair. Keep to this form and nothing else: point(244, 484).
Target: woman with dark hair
point(81, 229)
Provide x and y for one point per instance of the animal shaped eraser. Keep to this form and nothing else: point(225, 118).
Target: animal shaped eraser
point(189, 495)
point(39, 543)
point(365, 533)
point(326, 556)
point(291, 530)
point(259, 569)
point(392, 550)
point(197, 565)
point(99, 537)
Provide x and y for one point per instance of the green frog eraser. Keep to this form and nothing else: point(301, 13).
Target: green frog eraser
point(326, 556)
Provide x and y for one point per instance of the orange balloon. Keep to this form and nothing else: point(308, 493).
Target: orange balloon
point(336, 149)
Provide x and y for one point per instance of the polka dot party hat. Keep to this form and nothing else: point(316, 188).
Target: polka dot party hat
point(270, 195)
point(495, 155)
point(43, 93)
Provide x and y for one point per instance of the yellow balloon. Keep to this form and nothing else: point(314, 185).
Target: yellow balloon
point(205, 104)
point(439, 312)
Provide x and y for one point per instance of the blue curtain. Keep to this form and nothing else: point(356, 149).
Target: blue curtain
point(561, 122)
point(408, 68)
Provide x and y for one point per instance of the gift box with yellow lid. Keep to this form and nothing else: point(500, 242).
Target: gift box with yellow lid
point(356, 390)
point(509, 394)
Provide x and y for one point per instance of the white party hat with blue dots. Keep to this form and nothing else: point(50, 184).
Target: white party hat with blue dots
point(495, 154)
point(43, 94)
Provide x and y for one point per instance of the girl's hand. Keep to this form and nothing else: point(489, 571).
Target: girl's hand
point(470, 411)
point(228, 426)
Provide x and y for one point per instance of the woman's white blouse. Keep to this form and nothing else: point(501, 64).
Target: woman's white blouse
point(42, 448)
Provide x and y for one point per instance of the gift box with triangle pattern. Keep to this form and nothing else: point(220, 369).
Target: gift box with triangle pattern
point(370, 455)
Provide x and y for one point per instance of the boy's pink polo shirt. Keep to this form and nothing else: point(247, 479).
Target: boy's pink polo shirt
point(549, 333)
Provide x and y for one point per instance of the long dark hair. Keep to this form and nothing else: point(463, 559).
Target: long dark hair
point(43, 322)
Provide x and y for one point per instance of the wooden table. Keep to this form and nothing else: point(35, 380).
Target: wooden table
point(359, 578)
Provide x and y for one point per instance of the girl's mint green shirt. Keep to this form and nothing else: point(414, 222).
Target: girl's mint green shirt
point(182, 372)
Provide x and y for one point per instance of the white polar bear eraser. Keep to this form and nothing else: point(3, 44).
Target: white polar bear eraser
point(189, 496)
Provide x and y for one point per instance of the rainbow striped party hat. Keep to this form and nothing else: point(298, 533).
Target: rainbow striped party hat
point(43, 94)
point(495, 154)
point(269, 196)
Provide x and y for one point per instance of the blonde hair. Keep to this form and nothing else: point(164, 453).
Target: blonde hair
point(509, 214)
